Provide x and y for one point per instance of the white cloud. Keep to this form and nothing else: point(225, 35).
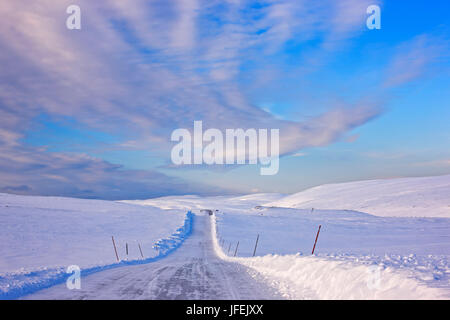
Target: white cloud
point(140, 69)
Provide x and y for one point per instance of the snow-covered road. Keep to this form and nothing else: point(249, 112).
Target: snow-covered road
point(193, 271)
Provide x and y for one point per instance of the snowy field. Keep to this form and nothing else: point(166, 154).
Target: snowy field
point(308, 277)
point(416, 249)
point(408, 239)
point(381, 239)
point(41, 236)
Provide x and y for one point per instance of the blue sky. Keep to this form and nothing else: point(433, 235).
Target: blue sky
point(89, 113)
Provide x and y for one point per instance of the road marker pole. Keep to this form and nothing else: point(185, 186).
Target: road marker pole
point(256, 244)
point(115, 249)
point(237, 246)
point(140, 250)
point(317, 236)
point(229, 247)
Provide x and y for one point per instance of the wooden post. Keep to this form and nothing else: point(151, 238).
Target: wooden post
point(140, 250)
point(317, 236)
point(256, 244)
point(237, 246)
point(229, 247)
point(115, 249)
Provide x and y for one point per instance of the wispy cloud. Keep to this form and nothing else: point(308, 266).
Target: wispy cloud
point(413, 58)
point(34, 171)
point(139, 69)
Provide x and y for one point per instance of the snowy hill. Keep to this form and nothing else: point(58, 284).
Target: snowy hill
point(191, 202)
point(402, 197)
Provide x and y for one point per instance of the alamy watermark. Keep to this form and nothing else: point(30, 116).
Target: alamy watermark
point(235, 146)
point(73, 21)
point(374, 20)
point(74, 280)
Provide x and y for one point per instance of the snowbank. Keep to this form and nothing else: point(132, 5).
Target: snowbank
point(300, 277)
point(402, 197)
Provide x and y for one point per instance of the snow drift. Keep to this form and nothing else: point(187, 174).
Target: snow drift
point(299, 277)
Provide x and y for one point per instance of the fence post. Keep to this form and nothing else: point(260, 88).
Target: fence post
point(229, 247)
point(115, 249)
point(237, 246)
point(317, 236)
point(140, 250)
point(126, 248)
point(256, 244)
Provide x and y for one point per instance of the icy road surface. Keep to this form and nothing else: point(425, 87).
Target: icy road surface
point(193, 271)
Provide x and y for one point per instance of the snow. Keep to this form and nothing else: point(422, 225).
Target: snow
point(193, 271)
point(379, 239)
point(286, 231)
point(309, 277)
point(408, 238)
point(401, 197)
point(41, 236)
point(192, 202)
point(416, 248)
